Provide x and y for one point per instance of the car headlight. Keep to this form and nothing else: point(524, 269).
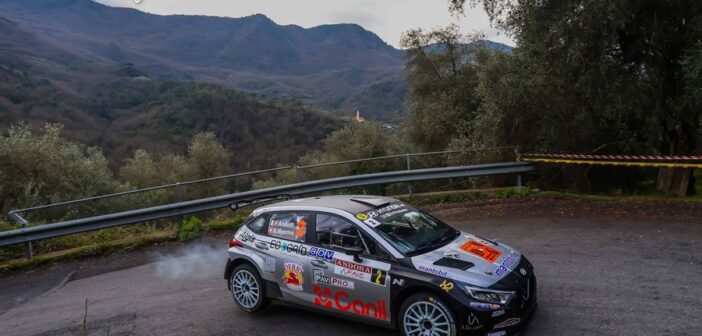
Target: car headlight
point(488, 295)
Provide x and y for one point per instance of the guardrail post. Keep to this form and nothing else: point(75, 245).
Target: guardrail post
point(28, 253)
point(298, 174)
point(519, 181)
point(409, 167)
point(177, 186)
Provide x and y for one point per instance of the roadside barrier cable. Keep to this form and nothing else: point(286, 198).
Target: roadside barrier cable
point(618, 163)
point(615, 157)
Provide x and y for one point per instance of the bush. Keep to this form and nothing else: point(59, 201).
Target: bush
point(189, 228)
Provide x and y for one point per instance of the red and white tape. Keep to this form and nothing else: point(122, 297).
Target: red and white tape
point(615, 157)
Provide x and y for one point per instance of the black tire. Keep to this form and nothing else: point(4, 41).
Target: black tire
point(426, 299)
point(248, 304)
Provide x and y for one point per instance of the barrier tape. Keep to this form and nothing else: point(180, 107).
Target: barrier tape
point(617, 157)
point(619, 163)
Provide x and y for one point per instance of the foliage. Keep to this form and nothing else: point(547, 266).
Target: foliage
point(587, 76)
point(189, 228)
point(45, 168)
point(354, 141)
point(442, 76)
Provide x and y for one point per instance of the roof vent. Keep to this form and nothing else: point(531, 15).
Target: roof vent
point(371, 201)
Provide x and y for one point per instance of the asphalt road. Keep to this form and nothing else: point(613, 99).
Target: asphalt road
point(596, 277)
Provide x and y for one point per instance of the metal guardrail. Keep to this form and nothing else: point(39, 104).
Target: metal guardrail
point(29, 234)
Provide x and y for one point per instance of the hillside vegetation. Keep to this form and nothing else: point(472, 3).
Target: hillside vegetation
point(120, 108)
point(332, 66)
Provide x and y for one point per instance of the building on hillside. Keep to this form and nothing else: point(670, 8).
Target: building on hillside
point(359, 118)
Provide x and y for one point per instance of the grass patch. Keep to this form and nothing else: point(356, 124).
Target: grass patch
point(606, 197)
point(226, 224)
point(97, 243)
point(452, 196)
point(122, 245)
point(189, 228)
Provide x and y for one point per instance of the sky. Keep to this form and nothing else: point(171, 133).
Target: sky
point(387, 18)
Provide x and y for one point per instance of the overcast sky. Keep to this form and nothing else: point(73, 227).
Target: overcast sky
point(387, 18)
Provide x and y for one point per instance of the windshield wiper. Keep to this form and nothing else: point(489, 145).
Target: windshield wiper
point(432, 244)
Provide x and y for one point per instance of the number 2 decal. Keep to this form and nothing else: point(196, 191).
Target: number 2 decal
point(379, 276)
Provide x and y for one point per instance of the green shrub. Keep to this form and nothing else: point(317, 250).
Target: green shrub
point(189, 228)
point(516, 192)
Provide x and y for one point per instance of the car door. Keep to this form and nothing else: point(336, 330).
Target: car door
point(358, 288)
point(287, 234)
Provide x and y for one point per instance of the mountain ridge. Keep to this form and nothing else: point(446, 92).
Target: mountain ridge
point(338, 67)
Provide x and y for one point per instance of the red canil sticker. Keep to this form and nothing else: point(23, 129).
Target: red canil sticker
point(339, 300)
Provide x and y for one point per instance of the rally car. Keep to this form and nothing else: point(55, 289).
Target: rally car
point(380, 261)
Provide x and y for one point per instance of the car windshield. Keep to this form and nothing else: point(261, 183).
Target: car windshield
point(409, 230)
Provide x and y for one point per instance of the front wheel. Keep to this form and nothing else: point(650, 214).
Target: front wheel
point(247, 288)
point(425, 314)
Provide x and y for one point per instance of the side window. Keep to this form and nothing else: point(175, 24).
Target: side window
point(258, 225)
point(289, 226)
point(334, 232)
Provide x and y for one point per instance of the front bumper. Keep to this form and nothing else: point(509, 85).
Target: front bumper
point(509, 319)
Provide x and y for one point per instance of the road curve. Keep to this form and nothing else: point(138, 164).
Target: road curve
point(596, 277)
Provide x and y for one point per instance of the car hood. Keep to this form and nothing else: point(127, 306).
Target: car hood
point(454, 261)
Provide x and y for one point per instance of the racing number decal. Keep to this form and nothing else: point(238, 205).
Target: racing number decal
point(379, 277)
point(481, 250)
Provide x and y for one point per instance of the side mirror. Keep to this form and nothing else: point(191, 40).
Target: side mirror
point(355, 251)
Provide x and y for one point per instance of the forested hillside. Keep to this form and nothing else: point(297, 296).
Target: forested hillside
point(120, 108)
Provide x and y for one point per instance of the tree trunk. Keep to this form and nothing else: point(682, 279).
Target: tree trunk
point(675, 181)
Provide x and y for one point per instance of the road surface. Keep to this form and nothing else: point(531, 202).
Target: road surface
point(597, 276)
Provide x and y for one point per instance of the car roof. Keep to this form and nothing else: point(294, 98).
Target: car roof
point(350, 203)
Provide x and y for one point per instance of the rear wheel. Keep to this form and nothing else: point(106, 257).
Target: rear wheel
point(247, 288)
point(425, 314)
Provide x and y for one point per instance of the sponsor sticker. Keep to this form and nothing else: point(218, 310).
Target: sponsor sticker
point(481, 250)
point(361, 216)
point(506, 265)
point(340, 300)
point(246, 236)
point(446, 286)
point(472, 323)
point(441, 306)
point(290, 248)
point(322, 253)
point(269, 265)
point(387, 211)
point(483, 306)
point(398, 282)
point(292, 275)
point(507, 323)
point(360, 272)
point(320, 278)
point(432, 271)
point(497, 333)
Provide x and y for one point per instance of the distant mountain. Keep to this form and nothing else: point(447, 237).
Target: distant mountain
point(119, 108)
point(341, 67)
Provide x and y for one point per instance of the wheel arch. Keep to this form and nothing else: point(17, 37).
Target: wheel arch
point(233, 264)
point(405, 293)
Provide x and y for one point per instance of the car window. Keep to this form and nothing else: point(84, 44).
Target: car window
point(409, 230)
point(258, 225)
point(335, 232)
point(289, 225)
